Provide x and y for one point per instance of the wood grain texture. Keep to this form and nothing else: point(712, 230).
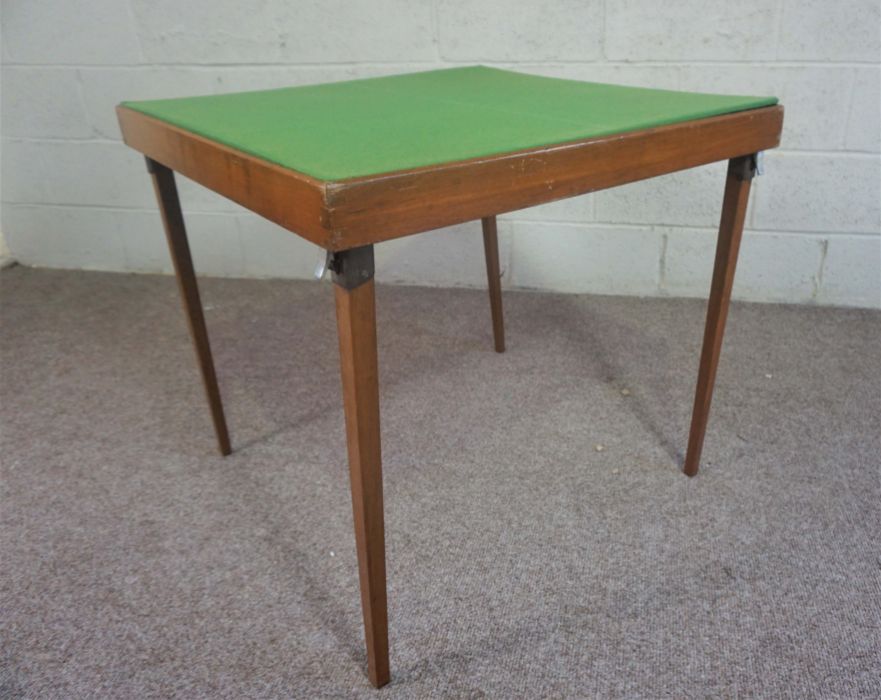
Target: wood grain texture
point(288, 198)
point(494, 280)
point(737, 187)
point(173, 221)
point(361, 211)
point(356, 324)
point(366, 210)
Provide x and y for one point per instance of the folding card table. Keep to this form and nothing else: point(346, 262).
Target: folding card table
point(348, 165)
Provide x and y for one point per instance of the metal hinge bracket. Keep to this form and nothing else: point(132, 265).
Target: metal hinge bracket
point(759, 162)
point(349, 268)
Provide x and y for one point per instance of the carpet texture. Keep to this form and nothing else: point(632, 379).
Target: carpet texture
point(523, 561)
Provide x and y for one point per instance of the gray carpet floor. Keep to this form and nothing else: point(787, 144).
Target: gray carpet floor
point(523, 562)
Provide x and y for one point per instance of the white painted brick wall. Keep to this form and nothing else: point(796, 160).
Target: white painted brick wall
point(280, 31)
point(74, 196)
point(586, 258)
point(688, 265)
point(691, 30)
point(496, 30)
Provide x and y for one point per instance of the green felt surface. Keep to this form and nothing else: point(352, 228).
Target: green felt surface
point(342, 130)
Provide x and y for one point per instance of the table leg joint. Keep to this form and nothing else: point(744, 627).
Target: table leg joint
point(746, 167)
point(352, 268)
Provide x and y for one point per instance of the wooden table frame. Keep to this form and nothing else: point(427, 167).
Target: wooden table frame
point(348, 217)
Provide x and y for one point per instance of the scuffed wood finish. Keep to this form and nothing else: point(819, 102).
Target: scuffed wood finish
point(360, 211)
point(737, 186)
point(494, 279)
point(356, 324)
point(173, 221)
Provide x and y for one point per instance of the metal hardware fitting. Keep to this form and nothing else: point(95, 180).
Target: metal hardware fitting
point(352, 268)
point(759, 159)
point(747, 167)
point(322, 265)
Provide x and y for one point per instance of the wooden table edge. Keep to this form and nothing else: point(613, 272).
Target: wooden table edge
point(291, 199)
point(342, 214)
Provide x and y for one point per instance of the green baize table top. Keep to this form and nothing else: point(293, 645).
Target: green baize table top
point(338, 131)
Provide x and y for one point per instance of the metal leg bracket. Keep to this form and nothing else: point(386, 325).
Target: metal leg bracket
point(349, 268)
point(751, 166)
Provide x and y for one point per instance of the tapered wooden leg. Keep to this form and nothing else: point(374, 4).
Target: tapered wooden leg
point(737, 185)
point(356, 323)
point(493, 277)
point(173, 220)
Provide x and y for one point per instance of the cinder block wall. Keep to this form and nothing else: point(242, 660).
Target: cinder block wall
point(74, 196)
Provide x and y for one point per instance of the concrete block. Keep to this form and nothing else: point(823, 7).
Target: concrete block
point(579, 210)
point(245, 78)
point(99, 173)
point(493, 30)
point(664, 77)
point(687, 264)
point(106, 239)
point(42, 102)
point(104, 88)
point(22, 172)
point(229, 79)
point(852, 272)
point(143, 239)
point(819, 193)
point(66, 237)
point(585, 259)
point(819, 30)
point(707, 30)
point(450, 256)
point(4, 53)
point(689, 198)
point(5, 254)
point(71, 32)
point(864, 124)
point(770, 267)
point(216, 244)
point(269, 250)
point(778, 267)
point(277, 31)
point(816, 98)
